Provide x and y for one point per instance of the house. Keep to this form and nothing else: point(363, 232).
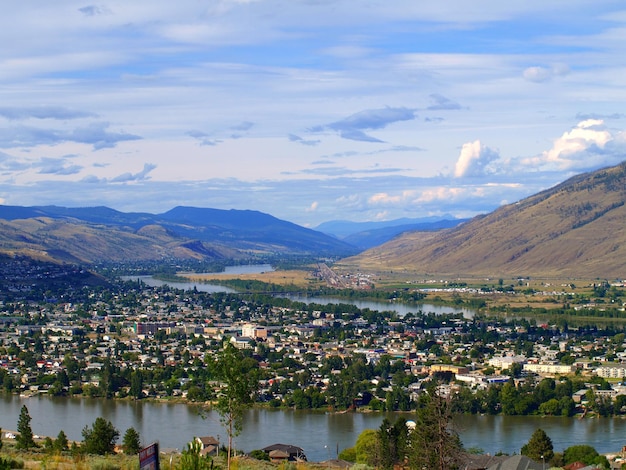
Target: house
point(208, 445)
point(518, 462)
point(284, 452)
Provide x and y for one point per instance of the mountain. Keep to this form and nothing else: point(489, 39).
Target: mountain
point(364, 235)
point(343, 229)
point(575, 229)
point(93, 234)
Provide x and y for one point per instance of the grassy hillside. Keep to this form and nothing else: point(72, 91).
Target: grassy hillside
point(576, 229)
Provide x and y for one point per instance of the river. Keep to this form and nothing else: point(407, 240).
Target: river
point(400, 308)
point(318, 433)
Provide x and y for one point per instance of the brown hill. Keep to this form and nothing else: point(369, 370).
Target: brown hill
point(77, 242)
point(576, 229)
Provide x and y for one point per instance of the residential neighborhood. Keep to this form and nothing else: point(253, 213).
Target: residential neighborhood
point(133, 340)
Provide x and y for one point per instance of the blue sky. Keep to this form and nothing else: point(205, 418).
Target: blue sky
point(310, 110)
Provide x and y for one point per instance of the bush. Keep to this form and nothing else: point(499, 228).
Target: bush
point(8, 463)
point(348, 454)
point(259, 455)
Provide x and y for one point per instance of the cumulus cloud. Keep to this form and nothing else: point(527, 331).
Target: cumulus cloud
point(42, 112)
point(312, 207)
point(441, 194)
point(539, 74)
point(353, 126)
point(590, 144)
point(475, 160)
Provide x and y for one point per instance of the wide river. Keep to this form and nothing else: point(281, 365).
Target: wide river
point(318, 433)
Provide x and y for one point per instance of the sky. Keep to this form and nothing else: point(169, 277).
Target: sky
point(308, 110)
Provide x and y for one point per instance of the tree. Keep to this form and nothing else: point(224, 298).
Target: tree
point(136, 385)
point(585, 454)
point(100, 438)
point(434, 443)
point(539, 447)
point(0, 438)
point(191, 459)
point(24, 440)
point(131, 442)
point(367, 448)
point(239, 377)
point(61, 443)
point(393, 442)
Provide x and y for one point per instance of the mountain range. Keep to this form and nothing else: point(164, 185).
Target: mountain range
point(576, 229)
point(94, 234)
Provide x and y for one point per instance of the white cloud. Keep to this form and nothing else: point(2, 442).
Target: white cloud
point(475, 160)
point(540, 74)
point(589, 145)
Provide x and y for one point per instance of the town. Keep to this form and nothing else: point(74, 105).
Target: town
point(126, 339)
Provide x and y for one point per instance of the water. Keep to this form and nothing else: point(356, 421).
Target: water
point(400, 308)
point(318, 433)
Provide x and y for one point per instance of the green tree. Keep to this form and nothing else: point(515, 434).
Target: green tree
point(61, 443)
point(131, 442)
point(539, 447)
point(191, 459)
point(24, 440)
point(434, 443)
point(239, 377)
point(0, 438)
point(100, 438)
point(393, 442)
point(367, 448)
point(585, 454)
point(136, 385)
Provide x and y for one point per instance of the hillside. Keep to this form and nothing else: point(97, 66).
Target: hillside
point(364, 235)
point(576, 229)
point(89, 235)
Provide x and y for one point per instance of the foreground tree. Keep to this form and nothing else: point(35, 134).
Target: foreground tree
point(539, 447)
point(585, 454)
point(100, 438)
point(191, 459)
point(61, 443)
point(393, 440)
point(24, 440)
point(367, 448)
point(131, 442)
point(434, 443)
point(239, 378)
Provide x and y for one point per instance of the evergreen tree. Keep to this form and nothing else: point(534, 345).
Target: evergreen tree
point(61, 443)
point(100, 438)
point(136, 385)
point(24, 440)
point(434, 444)
point(539, 447)
point(131, 442)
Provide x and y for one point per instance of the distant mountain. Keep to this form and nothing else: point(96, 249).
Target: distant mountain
point(575, 229)
point(95, 234)
point(364, 235)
